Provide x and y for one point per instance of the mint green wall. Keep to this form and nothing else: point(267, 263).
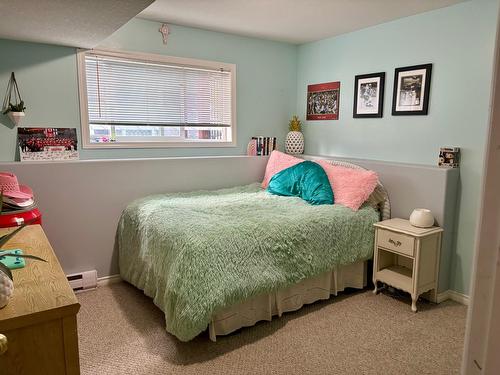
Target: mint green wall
point(272, 79)
point(459, 41)
point(48, 83)
point(47, 75)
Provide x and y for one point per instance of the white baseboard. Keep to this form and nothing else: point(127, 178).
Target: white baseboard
point(454, 296)
point(107, 280)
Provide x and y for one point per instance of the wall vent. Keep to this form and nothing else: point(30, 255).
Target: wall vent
point(83, 280)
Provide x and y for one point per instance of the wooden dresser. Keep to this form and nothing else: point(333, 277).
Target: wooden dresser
point(39, 322)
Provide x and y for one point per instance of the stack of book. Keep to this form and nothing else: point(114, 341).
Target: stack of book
point(261, 146)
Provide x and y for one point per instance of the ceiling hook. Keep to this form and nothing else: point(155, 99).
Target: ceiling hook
point(164, 32)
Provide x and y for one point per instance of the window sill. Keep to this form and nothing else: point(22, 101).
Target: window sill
point(125, 145)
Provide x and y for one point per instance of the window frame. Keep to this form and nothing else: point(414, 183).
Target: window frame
point(148, 57)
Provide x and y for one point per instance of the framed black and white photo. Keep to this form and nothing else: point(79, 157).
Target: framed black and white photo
point(412, 86)
point(369, 95)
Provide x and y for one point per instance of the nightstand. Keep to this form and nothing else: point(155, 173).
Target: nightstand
point(407, 258)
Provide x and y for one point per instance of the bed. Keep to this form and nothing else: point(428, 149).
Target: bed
point(228, 258)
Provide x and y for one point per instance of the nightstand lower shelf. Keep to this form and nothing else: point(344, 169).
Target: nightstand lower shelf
point(397, 276)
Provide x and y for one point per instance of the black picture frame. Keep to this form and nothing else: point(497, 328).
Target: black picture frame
point(373, 78)
point(414, 99)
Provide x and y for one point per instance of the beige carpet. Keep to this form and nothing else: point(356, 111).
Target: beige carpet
point(122, 332)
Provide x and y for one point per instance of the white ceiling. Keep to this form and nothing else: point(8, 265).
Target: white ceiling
point(294, 21)
point(78, 23)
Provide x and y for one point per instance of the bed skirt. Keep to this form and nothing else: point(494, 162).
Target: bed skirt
point(265, 306)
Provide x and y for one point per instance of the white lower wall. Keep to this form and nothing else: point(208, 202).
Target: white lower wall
point(413, 186)
point(81, 201)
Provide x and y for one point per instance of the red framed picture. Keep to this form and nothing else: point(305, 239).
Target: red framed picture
point(37, 144)
point(323, 100)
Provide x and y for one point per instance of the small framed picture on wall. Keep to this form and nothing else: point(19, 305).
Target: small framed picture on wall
point(369, 95)
point(412, 85)
point(323, 100)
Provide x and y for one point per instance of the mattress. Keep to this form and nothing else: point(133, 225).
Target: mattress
point(198, 253)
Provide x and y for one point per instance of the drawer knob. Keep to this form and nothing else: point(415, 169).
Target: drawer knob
point(3, 344)
point(395, 243)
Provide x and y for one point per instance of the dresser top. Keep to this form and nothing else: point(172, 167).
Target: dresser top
point(404, 226)
point(41, 290)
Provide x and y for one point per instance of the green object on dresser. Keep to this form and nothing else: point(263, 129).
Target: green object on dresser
point(12, 262)
point(195, 253)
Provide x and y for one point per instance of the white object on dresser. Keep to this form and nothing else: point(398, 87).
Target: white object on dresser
point(407, 258)
point(422, 218)
point(6, 286)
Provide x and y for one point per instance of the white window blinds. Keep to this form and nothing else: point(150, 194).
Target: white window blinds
point(134, 92)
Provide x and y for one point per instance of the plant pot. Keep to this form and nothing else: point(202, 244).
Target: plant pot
point(294, 143)
point(16, 117)
point(422, 218)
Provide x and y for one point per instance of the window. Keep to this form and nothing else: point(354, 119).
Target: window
point(138, 100)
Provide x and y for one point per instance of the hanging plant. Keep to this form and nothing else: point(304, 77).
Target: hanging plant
point(13, 104)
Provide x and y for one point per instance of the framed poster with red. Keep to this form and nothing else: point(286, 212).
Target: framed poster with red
point(323, 100)
point(38, 144)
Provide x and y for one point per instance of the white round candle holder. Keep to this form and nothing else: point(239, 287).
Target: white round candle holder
point(422, 218)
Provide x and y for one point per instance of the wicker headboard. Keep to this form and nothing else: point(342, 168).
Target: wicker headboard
point(379, 198)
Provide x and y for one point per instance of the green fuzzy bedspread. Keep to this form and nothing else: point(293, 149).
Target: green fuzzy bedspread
point(196, 253)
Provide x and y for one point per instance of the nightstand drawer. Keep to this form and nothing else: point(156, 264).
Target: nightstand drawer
point(396, 241)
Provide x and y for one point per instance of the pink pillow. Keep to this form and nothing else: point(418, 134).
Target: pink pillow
point(351, 187)
point(276, 163)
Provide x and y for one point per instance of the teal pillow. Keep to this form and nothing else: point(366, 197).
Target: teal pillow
point(307, 180)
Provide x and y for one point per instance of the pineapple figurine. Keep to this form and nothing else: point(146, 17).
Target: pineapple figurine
point(294, 143)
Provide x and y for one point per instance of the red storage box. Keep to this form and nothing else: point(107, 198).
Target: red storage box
point(19, 217)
